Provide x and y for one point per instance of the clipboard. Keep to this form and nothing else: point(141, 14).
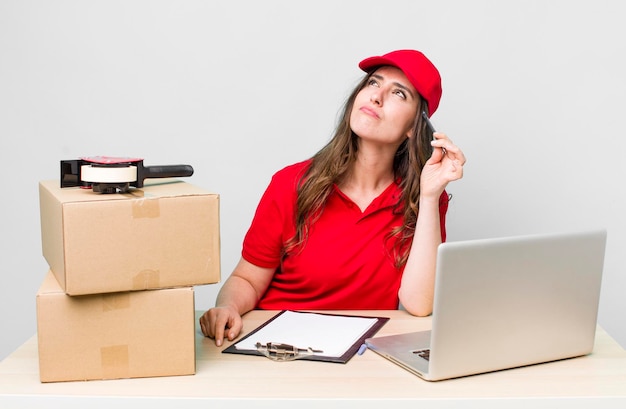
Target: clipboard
point(353, 336)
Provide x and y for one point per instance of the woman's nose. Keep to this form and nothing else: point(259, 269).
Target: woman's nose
point(375, 98)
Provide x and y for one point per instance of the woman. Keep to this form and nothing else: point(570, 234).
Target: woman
point(357, 226)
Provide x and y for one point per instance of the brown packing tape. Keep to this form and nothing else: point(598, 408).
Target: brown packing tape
point(114, 361)
point(147, 279)
point(115, 301)
point(146, 208)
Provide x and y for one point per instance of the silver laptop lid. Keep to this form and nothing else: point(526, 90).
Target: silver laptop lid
point(515, 301)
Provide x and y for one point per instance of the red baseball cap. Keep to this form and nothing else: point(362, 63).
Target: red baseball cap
point(418, 69)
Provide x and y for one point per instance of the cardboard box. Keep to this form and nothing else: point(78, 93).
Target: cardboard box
point(115, 335)
point(161, 236)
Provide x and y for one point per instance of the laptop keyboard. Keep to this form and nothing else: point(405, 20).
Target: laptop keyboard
point(424, 353)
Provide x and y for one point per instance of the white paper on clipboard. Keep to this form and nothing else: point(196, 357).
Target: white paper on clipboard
point(333, 334)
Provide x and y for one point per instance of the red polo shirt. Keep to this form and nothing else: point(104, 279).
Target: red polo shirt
point(346, 262)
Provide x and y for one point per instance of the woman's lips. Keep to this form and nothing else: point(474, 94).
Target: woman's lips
point(369, 111)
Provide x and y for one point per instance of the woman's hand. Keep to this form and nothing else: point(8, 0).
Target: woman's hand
point(239, 294)
point(221, 322)
point(444, 166)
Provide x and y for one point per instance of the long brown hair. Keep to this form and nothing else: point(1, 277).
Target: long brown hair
point(331, 163)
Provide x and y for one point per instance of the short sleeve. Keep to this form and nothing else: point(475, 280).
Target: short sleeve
point(444, 199)
point(273, 222)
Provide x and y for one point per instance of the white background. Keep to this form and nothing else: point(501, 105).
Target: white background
point(534, 93)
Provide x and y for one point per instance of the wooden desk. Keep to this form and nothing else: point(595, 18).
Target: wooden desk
point(366, 381)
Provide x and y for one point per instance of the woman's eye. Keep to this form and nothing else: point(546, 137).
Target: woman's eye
point(372, 82)
point(400, 93)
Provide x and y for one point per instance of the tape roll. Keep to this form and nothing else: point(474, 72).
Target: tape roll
point(103, 174)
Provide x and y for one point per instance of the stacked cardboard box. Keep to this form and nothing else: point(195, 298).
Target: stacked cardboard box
point(118, 301)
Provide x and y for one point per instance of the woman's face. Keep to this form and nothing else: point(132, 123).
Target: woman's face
point(385, 109)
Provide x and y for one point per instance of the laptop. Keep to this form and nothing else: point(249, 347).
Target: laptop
point(506, 302)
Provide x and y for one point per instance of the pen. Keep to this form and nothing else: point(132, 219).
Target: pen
point(429, 125)
point(362, 349)
point(431, 128)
